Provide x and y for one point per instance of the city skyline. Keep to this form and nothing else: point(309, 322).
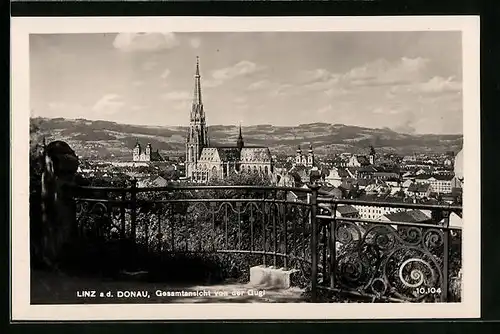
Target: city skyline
point(400, 80)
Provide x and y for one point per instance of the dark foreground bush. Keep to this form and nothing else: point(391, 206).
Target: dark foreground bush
point(112, 259)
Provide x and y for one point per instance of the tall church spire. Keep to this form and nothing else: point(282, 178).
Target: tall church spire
point(197, 136)
point(197, 84)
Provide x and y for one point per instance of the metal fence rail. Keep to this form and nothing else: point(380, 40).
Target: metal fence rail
point(381, 261)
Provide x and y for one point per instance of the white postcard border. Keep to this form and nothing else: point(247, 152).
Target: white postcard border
point(20, 111)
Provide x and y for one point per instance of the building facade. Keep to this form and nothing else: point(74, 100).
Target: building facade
point(441, 184)
point(305, 160)
point(146, 155)
point(205, 161)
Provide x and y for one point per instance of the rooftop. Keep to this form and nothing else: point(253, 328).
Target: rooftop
point(346, 209)
point(419, 187)
point(411, 216)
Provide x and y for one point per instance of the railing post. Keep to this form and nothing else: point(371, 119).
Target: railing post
point(133, 208)
point(122, 214)
point(323, 233)
point(333, 248)
point(446, 255)
point(159, 236)
point(314, 240)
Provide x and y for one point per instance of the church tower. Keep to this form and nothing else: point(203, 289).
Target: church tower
point(136, 153)
point(197, 137)
point(298, 156)
point(310, 156)
point(372, 155)
point(148, 152)
point(239, 143)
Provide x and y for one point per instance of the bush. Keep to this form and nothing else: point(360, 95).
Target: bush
point(35, 197)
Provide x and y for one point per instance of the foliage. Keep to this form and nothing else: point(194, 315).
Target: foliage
point(169, 174)
point(36, 169)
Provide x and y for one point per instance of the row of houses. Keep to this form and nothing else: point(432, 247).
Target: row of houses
point(387, 213)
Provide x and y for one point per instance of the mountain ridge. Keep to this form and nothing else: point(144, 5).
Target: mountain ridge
point(106, 139)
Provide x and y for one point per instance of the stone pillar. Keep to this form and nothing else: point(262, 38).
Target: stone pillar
point(58, 206)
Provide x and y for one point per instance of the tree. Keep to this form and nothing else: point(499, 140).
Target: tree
point(247, 179)
point(35, 209)
point(169, 174)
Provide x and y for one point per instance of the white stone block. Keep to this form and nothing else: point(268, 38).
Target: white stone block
point(271, 277)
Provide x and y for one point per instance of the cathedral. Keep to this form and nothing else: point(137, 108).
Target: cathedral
point(205, 161)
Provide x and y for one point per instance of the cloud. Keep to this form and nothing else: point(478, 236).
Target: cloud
point(195, 42)
point(138, 107)
point(325, 109)
point(240, 100)
point(383, 72)
point(330, 84)
point(441, 85)
point(210, 83)
point(181, 105)
point(145, 42)
point(138, 83)
point(165, 74)
point(435, 85)
point(406, 127)
point(67, 110)
point(108, 104)
point(261, 84)
point(337, 91)
point(386, 111)
point(149, 65)
point(319, 74)
point(242, 68)
point(177, 96)
point(375, 73)
point(282, 89)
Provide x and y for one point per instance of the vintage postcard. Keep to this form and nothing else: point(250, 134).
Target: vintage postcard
point(172, 168)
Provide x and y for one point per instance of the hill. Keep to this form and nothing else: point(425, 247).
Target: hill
point(109, 139)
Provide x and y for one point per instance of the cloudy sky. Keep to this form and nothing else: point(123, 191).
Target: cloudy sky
point(407, 81)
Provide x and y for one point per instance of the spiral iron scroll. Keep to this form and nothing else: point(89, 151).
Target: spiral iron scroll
point(385, 262)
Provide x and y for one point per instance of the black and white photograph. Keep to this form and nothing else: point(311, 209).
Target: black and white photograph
point(271, 168)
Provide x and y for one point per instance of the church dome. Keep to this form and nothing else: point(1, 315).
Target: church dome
point(459, 165)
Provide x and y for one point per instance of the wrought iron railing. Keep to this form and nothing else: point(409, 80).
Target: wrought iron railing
point(382, 261)
point(390, 260)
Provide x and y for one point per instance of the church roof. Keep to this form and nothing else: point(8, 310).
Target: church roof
point(209, 154)
point(250, 154)
point(231, 154)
